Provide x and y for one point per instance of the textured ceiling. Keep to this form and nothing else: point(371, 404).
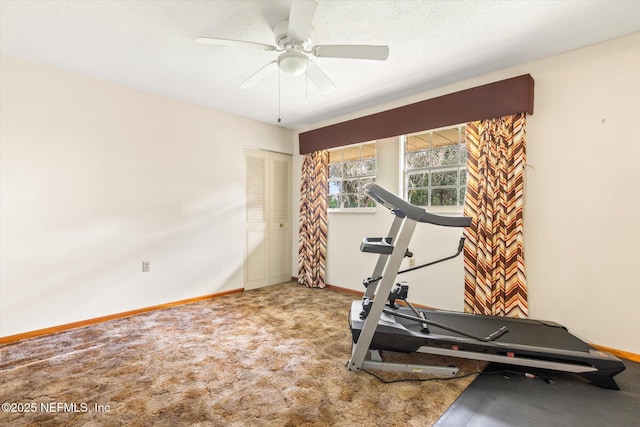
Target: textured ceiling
point(150, 45)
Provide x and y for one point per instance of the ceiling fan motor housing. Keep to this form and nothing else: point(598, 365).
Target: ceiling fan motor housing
point(281, 33)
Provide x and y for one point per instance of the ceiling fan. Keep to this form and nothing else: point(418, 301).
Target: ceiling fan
point(292, 38)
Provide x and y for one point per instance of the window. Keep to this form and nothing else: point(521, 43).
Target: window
point(436, 167)
point(350, 168)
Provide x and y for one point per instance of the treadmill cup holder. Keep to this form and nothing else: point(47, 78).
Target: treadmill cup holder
point(377, 245)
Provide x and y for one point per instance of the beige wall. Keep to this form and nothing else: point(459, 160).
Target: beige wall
point(582, 210)
point(582, 203)
point(95, 178)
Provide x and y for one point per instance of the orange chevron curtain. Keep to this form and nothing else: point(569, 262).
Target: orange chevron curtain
point(312, 249)
point(495, 281)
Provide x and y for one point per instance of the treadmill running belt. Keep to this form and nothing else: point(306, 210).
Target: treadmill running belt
point(521, 331)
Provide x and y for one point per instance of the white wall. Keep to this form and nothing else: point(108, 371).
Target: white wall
point(582, 201)
point(95, 178)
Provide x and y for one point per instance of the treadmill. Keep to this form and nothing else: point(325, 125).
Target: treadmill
point(377, 323)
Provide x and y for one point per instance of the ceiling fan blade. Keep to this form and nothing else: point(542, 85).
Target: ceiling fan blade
point(352, 51)
point(319, 78)
point(234, 43)
point(259, 75)
point(300, 17)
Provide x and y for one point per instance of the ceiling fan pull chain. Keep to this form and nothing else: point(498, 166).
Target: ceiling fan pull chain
point(279, 77)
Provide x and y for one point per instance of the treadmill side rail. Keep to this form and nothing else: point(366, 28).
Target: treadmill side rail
point(519, 361)
point(446, 371)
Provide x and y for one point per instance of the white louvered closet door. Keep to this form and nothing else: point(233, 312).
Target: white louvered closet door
point(256, 263)
point(268, 219)
point(279, 218)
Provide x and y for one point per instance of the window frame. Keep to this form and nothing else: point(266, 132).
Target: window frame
point(428, 169)
point(360, 177)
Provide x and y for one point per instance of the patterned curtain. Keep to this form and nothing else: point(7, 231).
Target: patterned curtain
point(312, 250)
point(495, 282)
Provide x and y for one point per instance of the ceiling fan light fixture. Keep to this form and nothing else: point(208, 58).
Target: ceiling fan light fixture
point(293, 63)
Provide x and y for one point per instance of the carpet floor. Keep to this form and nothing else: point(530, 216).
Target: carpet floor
point(268, 357)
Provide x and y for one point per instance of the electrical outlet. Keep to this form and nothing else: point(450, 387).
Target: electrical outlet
point(412, 262)
point(146, 266)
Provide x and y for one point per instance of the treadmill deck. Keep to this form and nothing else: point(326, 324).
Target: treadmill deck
point(526, 339)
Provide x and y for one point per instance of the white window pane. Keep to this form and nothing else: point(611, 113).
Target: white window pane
point(352, 169)
point(419, 197)
point(420, 159)
point(418, 142)
point(334, 202)
point(350, 201)
point(445, 156)
point(419, 179)
point(335, 171)
point(335, 156)
point(439, 178)
point(334, 187)
point(463, 177)
point(368, 151)
point(351, 153)
point(445, 137)
point(444, 197)
point(368, 167)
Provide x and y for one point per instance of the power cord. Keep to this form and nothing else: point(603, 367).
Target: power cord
point(420, 380)
point(502, 371)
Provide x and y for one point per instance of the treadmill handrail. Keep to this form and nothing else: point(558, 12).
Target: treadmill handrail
point(404, 209)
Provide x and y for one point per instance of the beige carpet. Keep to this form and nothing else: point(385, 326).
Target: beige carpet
point(268, 357)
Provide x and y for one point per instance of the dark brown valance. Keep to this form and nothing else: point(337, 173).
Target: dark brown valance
point(510, 96)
